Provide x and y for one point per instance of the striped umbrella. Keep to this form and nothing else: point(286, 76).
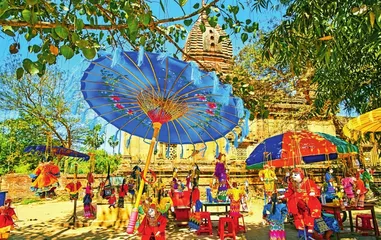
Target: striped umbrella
point(367, 122)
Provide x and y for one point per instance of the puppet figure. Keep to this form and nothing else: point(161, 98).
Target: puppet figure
point(165, 204)
point(348, 183)
point(302, 201)
point(45, 178)
point(7, 218)
point(360, 191)
point(195, 175)
point(153, 225)
point(330, 191)
point(220, 167)
point(112, 200)
point(73, 189)
point(275, 213)
point(235, 195)
point(123, 190)
point(268, 177)
point(88, 209)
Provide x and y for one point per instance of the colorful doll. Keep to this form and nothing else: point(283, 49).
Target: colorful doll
point(122, 192)
point(360, 191)
point(220, 167)
point(88, 208)
point(235, 195)
point(348, 183)
point(268, 177)
point(302, 201)
point(222, 188)
point(188, 180)
point(112, 199)
point(330, 191)
point(7, 218)
point(275, 213)
point(165, 204)
point(131, 188)
point(153, 225)
point(73, 188)
point(45, 178)
point(195, 175)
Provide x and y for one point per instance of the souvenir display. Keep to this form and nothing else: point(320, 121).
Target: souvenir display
point(275, 213)
point(302, 201)
point(153, 225)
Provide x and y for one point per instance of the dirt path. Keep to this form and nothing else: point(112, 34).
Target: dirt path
point(44, 221)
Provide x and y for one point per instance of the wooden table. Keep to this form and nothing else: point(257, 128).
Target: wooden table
point(337, 210)
point(217, 204)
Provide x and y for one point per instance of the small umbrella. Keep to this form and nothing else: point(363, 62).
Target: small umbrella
point(292, 148)
point(367, 122)
point(163, 99)
point(55, 150)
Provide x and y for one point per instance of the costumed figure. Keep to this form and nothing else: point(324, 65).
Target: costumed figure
point(165, 204)
point(73, 188)
point(45, 178)
point(324, 227)
point(367, 177)
point(88, 208)
point(220, 167)
point(7, 218)
point(360, 191)
point(275, 213)
point(268, 177)
point(144, 205)
point(235, 195)
point(123, 189)
point(131, 189)
point(112, 200)
point(188, 180)
point(348, 183)
point(175, 180)
point(222, 188)
point(302, 201)
point(221, 176)
point(330, 191)
point(195, 175)
point(153, 225)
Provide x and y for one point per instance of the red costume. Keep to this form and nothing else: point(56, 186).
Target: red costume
point(302, 200)
point(7, 216)
point(360, 191)
point(153, 225)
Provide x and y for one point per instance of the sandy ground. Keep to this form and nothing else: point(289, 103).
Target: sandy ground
point(44, 221)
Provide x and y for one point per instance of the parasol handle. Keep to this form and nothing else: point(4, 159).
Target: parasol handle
point(133, 216)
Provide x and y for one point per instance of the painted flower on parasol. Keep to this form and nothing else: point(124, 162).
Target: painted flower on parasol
point(292, 148)
point(163, 99)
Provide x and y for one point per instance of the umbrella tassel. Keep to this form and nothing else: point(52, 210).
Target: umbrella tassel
point(155, 148)
point(140, 56)
point(235, 139)
point(182, 152)
point(239, 107)
point(245, 130)
point(93, 123)
point(195, 74)
point(128, 142)
point(216, 83)
point(204, 150)
point(117, 57)
point(115, 137)
point(227, 145)
point(162, 56)
point(217, 150)
point(83, 117)
point(167, 152)
point(74, 108)
point(120, 140)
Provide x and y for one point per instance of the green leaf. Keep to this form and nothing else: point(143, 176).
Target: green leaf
point(248, 21)
point(132, 23)
point(146, 19)
point(66, 51)
point(82, 43)
point(142, 40)
point(3, 7)
point(79, 24)
point(196, 6)
point(19, 73)
point(8, 30)
point(183, 2)
point(35, 48)
point(26, 15)
point(62, 32)
point(244, 37)
point(213, 21)
point(188, 22)
point(31, 2)
point(202, 27)
point(30, 66)
point(89, 53)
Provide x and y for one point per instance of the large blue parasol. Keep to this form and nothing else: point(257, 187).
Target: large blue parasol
point(55, 150)
point(161, 98)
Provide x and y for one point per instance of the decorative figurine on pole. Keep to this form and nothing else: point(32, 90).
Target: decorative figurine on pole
point(268, 177)
point(330, 192)
point(153, 225)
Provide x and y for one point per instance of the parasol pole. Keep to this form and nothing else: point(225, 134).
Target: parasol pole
point(74, 216)
point(134, 212)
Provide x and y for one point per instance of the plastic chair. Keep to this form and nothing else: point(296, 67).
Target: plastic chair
point(238, 227)
point(205, 224)
point(366, 222)
point(222, 222)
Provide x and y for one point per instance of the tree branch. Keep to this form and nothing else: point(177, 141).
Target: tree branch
point(49, 25)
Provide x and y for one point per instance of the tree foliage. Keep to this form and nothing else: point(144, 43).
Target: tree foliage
point(94, 137)
point(75, 27)
point(339, 43)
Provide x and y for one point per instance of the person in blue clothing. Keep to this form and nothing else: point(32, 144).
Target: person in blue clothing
point(275, 213)
point(330, 192)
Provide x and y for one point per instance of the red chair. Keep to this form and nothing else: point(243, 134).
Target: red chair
point(238, 227)
point(230, 232)
point(205, 224)
point(366, 222)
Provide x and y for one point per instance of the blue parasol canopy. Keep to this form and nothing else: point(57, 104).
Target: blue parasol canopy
point(132, 91)
point(55, 150)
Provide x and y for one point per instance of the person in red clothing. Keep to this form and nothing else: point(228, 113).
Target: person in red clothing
point(7, 218)
point(302, 201)
point(153, 225)
point(122, 192)
point(360, 191)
